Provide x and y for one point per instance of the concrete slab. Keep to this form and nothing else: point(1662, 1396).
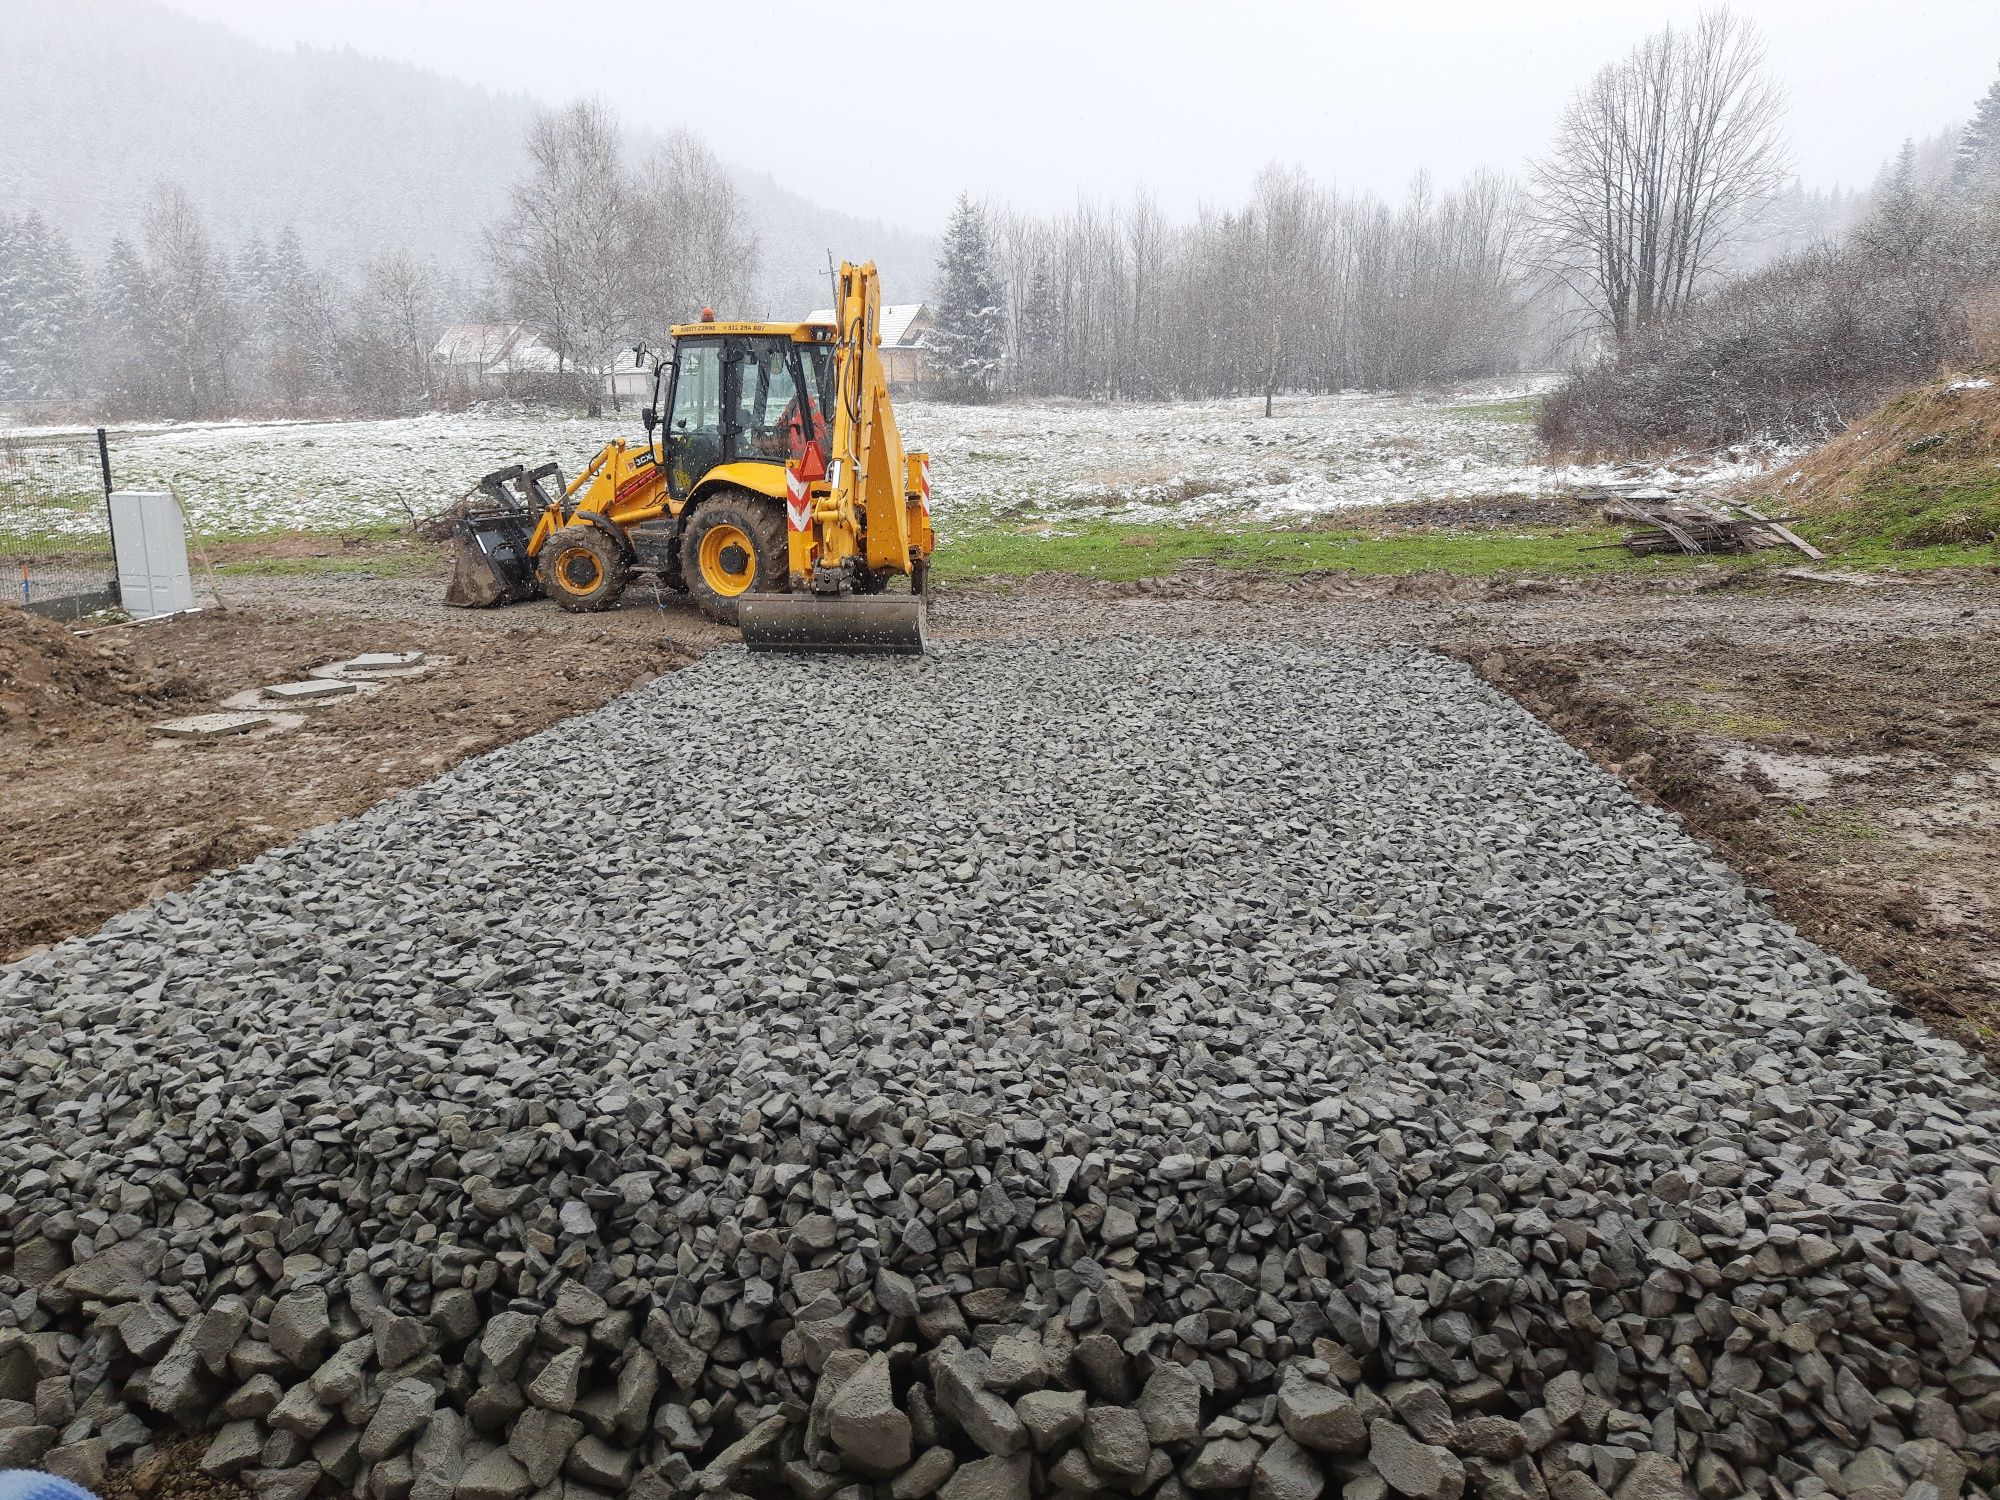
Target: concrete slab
point(379, 666)
point(210, 726)
point(310, 692)
point(384, 661)
point(373, 665)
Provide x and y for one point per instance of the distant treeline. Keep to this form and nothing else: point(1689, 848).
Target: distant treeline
point(1301, 288)
point(590, 254)
point(1660, 242)
point(174, 324)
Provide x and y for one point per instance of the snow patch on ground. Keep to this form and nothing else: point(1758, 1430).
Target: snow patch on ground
point(1041, 462)
point(1224, 459)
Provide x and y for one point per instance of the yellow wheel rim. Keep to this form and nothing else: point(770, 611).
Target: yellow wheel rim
point(579, 569)
point(728, 559)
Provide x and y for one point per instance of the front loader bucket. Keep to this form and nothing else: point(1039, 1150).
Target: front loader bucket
point(489, 543)
point(877, 625)
point(489, 566)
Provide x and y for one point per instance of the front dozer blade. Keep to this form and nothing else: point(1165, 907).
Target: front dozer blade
point(877, 625)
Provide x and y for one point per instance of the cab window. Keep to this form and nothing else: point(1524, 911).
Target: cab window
point(764, 417)
point(817, 361)
point(694, 425)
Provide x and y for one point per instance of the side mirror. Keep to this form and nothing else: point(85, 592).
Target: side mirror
point(648, 419)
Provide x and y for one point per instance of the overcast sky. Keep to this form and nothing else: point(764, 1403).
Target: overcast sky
point(1034, 102)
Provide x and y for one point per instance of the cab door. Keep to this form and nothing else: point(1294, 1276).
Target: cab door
point(762, 421)
point(694, 436)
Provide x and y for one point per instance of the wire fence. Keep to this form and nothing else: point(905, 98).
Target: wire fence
point(55, 528)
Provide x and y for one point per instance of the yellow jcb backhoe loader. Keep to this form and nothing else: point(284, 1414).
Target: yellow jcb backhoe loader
point(772, 487)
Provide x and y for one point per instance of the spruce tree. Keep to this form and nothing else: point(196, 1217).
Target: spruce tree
point(300, 360)
point(18, 378)
point(1977, 168)
point(126, 350)
point(1038, 327)
point(1902, 220)
point(42, 310)
point(969, 340)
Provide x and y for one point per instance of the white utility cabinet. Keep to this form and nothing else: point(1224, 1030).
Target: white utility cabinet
point(151, 547)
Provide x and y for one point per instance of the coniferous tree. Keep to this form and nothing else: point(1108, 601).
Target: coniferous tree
point(191, 291)
point(1904, 219)
point(970, 337)
point(125, 349)
point(1977, 167)
point(1037, 324)
point(42, 310)
point(252, 279)
point(301, 352)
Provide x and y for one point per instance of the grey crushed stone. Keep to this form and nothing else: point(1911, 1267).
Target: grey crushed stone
point(1208, 1059)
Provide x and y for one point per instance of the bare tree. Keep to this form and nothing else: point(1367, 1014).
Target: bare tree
point(564, 253)
point(1657, 162)
point(1145, 248)
point(190, 286)
point(1289, 229)
point(693, 247)
point(400, 307)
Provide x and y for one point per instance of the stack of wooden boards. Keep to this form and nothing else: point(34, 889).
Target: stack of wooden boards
point(1680, 521)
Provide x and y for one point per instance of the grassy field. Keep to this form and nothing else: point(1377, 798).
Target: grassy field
point(1120, 552)
point(1511, 409)
point(1049, 463)
point(1115, 493)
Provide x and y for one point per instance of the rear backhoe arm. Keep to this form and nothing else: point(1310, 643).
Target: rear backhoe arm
point(870, 510)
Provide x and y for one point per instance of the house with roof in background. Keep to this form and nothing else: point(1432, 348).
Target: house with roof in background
point(904, 328)
point(630, 378)
point(494, 359)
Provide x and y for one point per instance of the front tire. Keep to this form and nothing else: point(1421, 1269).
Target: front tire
point(733, 546)
point(583, 570)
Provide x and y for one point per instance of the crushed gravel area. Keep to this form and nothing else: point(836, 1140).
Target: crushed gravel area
point(1084, 1066)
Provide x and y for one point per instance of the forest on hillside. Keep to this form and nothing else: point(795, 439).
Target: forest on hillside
point(1720, 299)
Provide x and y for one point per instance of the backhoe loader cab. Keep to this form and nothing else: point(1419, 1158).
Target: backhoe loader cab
point(736, 398)
point(772, 486)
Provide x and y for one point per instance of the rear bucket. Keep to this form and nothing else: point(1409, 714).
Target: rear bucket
point(881, 625)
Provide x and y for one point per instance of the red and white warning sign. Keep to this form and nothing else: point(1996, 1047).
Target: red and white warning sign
point(798, 501)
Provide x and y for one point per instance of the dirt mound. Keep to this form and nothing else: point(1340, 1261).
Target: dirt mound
point(1922, 469)
point(51, 677)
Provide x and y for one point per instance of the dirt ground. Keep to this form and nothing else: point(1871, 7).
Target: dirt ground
point(101, 815)
point(1838, 742)
point(1859, 784)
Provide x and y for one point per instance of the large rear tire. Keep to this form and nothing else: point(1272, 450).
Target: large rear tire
point(582, 569)
point(734, 545)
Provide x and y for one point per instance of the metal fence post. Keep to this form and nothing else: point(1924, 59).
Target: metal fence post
point(110, 525)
